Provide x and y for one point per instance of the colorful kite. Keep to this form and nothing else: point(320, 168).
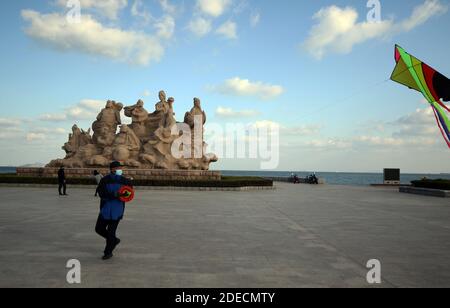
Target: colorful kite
point(417, 75)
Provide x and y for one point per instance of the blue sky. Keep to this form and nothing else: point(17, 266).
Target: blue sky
point(317, 68)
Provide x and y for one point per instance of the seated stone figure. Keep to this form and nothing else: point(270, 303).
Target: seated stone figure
point(196, 111)
point(105, 138)
point(127, 146)
point(169, 119)
point(157, 118)
point(75, 139)
point(107, 122)
point(139, 117)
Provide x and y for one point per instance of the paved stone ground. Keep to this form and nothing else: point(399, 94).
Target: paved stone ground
point(295, 236)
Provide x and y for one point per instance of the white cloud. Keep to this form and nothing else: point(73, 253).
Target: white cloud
point(53, 117)
point(228, 30)
point(290, 131)
point(91, 37)
point(86, 109)
point(53, 131)
point(146, 93)
point(165, 27)
point(244, 87)
point(302, 130)
point(35, 137)
point(241, 6)
point(338, 30)
point(9, 122)
point(382, 142)
point(92, 104)
point(214, 8)
point(107, 8)
point(419, 117)
point(422, 14)
point(9, 136)
point(255, 18)
point(421, 123)
point(11, 129)
point(138, 10)
point(374, 142)
point(223, 112)
point(78, 113)
point(168, 7)
point(330, 143)
point(200, 26)
point(268, 124)
point(415, 130)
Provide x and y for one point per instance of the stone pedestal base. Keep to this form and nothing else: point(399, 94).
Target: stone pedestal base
point(178, 175)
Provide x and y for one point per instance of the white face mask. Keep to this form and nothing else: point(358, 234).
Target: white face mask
point(119, 172)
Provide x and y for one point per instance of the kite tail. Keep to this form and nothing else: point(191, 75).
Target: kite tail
point(442, 121)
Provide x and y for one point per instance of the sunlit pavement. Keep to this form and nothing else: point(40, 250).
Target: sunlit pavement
point(295, 236)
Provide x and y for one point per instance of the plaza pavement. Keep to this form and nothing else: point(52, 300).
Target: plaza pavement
point(295, 236)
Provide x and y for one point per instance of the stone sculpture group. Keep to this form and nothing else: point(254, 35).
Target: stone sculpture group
point(147, 143)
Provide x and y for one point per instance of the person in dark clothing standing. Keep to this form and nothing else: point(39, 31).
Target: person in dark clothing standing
point(62, 188)
point(98, 178)
point(112, 208)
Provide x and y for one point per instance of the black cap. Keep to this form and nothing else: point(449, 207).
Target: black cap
point(115, 164)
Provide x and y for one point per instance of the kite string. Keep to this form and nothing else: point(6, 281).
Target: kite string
point(344, 100)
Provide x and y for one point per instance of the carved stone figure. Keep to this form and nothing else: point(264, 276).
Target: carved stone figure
point(139, 117)
point(157, 118)
point(128, 139)
point(74, 143)
point(189, 118)
point(196, 118)
point(107, 122)
point(146, 143)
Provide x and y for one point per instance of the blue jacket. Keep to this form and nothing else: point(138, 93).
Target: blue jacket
point(111, 208)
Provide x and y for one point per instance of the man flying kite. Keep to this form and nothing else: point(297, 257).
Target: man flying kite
point(417, 75)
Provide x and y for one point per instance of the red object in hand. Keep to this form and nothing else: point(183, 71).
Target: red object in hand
point(126, 194)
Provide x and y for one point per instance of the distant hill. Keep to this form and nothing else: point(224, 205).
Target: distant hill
point(35, 165)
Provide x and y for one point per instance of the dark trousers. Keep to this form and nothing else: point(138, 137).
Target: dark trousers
point(107, 229)
point(62, 188)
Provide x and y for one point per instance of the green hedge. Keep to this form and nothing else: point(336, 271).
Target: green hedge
point(225, 182)
point(432, 184)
